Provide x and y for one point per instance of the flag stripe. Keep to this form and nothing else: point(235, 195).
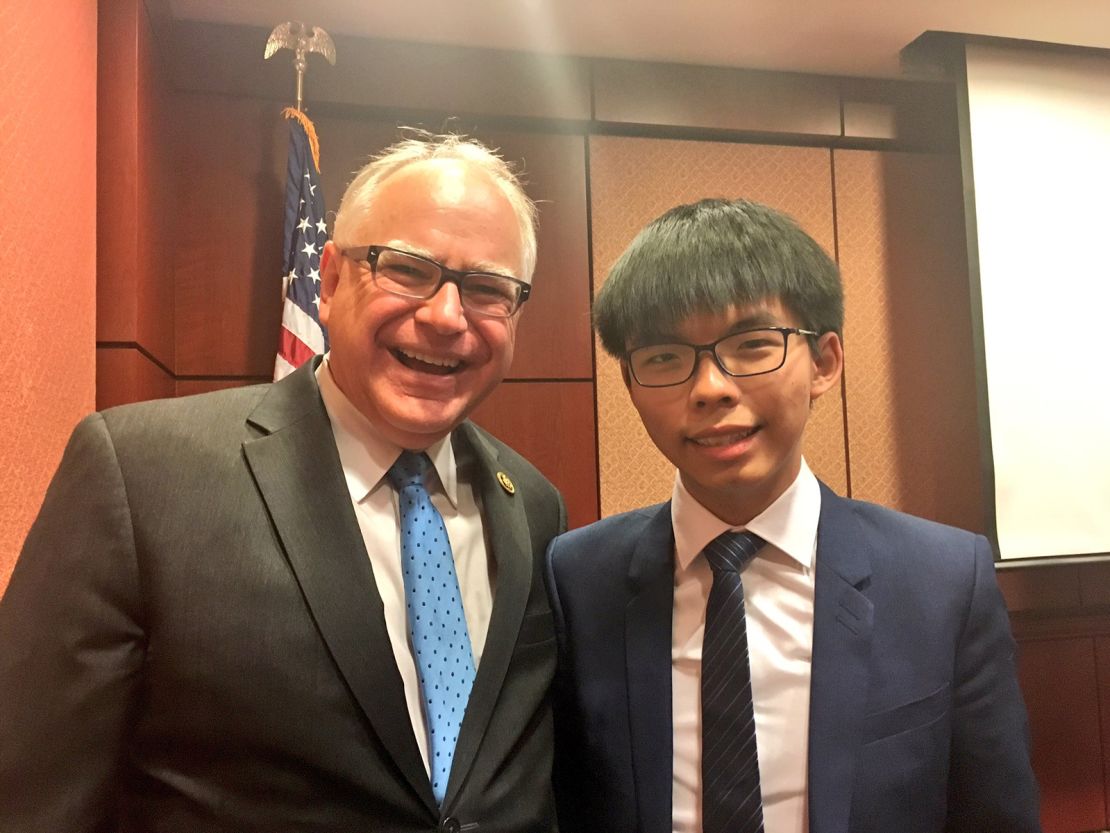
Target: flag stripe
point(302, 326)
point(302, 335)
point(297, 351)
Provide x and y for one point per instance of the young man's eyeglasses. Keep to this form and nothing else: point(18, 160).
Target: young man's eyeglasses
point(745, 353)
point(414, 276)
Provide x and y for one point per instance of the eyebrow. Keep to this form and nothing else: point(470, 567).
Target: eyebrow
point(753, 321)
point(485, 266)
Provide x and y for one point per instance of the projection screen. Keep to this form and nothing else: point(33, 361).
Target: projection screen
point(1039, 126)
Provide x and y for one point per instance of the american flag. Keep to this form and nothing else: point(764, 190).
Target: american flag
point(306, 232)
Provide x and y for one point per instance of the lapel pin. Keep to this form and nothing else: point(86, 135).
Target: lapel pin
point(506, 483)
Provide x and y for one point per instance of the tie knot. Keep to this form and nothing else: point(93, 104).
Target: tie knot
point(409, 470)
point(731, 551)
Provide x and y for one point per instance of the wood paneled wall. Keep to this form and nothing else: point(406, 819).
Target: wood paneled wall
point(134, 210)
point(189, 298)
point(632, 181)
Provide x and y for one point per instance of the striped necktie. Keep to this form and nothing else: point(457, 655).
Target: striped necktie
point(731, 801)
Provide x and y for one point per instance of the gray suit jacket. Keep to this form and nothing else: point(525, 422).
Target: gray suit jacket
point(192, 639)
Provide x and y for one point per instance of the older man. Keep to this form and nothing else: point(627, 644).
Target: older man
point(313, 605)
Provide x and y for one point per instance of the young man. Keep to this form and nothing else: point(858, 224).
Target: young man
point(759, 654)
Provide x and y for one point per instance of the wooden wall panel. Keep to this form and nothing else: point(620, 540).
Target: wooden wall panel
point(47, 248)
point(1058, 679)
point(379, 73)
point(635, 92)
point(154, 238)
point(632, 182)
point(134, 203)
point(554, 340)
point(552, 424)
point(117, 151)
point(1094, 588)
point(1054, 587)
point(1102, 662)
point(230, 172)
point(909, 377)
point(124, 375)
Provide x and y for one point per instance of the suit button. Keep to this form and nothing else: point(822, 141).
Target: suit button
point(450, 825)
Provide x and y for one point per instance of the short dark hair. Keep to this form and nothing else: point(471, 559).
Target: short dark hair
point(707, 255)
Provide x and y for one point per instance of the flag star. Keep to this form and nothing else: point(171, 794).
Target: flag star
point(292, 276)
point(311, 188)
point(306, 174)
point(316, 301)
point(314, 274)
point(309, 249)
point(321, 226)
point(304, 224)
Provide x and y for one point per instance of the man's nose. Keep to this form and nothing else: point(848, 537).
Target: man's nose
point(444, 310)
point(711, 383)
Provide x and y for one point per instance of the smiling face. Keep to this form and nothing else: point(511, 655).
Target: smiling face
point(416, 368)
point(737, 441)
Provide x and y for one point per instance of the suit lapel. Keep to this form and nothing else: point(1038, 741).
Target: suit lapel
point(842, 622)
point(296, 467)
point(648, 668)
point(506, 526)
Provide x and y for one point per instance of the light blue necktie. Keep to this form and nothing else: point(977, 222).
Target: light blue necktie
point(433, 607)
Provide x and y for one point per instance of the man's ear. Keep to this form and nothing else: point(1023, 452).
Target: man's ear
point(329, 278)
point(828, 364)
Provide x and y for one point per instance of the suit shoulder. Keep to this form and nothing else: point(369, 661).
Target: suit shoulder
point(515, 465)
point(905, 548)
point(186, 412)
point(890, 521)
point(612, 532)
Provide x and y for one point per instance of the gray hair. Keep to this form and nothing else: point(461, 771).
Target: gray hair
point(360, 193)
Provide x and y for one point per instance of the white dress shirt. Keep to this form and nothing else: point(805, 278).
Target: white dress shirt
point(366, 457)
point(778, 598)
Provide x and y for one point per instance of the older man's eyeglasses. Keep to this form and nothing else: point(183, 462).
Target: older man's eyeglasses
point(414, 276)
point(744, 353)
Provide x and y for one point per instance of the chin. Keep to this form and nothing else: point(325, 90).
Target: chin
point(433, 425)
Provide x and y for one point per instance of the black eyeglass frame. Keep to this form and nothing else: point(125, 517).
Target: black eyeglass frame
point(711, 348)
point(369, 256)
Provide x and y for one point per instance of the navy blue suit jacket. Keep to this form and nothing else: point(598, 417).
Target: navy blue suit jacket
point(917, 724)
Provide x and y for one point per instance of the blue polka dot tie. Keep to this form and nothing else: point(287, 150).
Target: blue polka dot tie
point(433, 606)
point(731, 800)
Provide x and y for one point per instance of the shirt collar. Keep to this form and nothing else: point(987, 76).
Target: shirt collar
point(366, 456)
point(789, 524)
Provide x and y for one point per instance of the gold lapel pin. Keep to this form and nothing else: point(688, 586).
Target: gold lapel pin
point(506, 483)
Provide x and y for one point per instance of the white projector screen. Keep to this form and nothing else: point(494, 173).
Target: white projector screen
point(1039, 124)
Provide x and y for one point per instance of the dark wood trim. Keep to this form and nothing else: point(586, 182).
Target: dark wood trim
point(451, 87)
point(958, 64)
point(1062, 560)
point(1069, 623)
point(134, 345)
point(931, 54)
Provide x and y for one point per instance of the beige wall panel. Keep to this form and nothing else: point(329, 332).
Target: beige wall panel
point(910, 383)
point(632, 182)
